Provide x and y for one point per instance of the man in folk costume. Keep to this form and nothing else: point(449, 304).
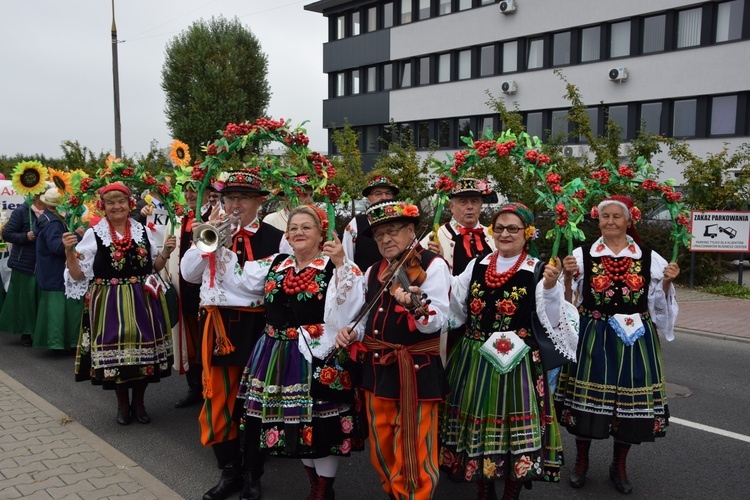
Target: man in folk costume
point(231, 324)
point(463, 237)
point(212, 209)
point(403, 377)
point(280, 217)
point(358, 245)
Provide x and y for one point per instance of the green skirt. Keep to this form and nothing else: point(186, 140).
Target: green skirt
point(58, 320)
point(19, 309)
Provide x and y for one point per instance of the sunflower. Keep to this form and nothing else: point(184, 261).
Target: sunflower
point(29, 178)
point(61, 180)
point(180, 154)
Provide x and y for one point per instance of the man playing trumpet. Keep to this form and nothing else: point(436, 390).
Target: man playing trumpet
point(230, 324)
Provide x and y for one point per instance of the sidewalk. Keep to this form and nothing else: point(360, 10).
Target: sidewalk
point(713, 315)
point(44, 455)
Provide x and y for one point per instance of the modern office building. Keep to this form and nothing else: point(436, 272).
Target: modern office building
point(681, 67)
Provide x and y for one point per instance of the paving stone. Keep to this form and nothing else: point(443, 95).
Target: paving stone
point(57, 471)
point(79, 486)
point(73, 477)
point(26, 469)
point(10, 492)
point(37, 457)
point(25, 443)
point(72, 450)
point(113, 490)
point(28, 489)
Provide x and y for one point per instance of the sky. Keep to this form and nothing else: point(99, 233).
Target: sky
point(56, 79)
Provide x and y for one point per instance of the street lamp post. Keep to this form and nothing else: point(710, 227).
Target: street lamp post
point(116, 80)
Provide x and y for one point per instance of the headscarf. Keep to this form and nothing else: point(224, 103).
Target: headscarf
point(527, 217)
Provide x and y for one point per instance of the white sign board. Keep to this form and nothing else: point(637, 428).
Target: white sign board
point(720, 231)
point(9, 199)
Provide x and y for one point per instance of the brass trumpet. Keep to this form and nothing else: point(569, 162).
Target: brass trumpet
point(208, 237)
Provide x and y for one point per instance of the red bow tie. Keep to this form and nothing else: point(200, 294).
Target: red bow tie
point(478, 233)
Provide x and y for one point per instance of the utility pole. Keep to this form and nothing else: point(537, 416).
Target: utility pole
point(116, 80)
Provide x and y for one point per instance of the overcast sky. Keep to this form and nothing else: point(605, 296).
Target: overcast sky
point(56, 68)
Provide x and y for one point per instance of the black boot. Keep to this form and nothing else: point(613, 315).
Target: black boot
point(230, 462)
point(617, 470)
point(312, 475)
point(253, 461)
point(486, 490)
point(123, 405)
point(194, 393)
point(512, 489)
point(324, 491)
point(578, 477)
point(139, 408)
point(250, 487)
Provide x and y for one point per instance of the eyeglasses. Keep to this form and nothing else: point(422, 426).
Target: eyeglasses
point(214, 196)
point(241, 199)
point(381, 192)
point(305, 229)
point(392, 232)
point(510, 229)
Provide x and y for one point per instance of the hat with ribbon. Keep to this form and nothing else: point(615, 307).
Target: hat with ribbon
point(382, 181)
point(386, 211)
point(469, 186)
point(52, 197)
point(243, 181)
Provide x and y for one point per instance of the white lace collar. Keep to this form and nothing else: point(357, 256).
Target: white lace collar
point(600, 249)
point(102, 231)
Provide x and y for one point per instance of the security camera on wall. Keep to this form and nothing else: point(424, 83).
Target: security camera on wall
point(509, 87)
point(618, 74)
point(508, 6)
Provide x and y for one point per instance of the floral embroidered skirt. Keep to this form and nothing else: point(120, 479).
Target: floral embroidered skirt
point(57, 321)
point(276, 387)
point(124, 336)
point(614, 389)
point(497, 426)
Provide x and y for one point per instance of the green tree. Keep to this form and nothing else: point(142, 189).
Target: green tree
point(214, 73)
point(348, 163)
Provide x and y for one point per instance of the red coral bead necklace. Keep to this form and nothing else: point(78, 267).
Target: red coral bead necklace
point(495, 279)
point(615, 269)
point(295, 284)
point(122, 244)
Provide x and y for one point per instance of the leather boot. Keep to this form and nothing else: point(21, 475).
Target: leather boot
point(138, 407)
point(486, 490)
point(194, 393)
point(123, 405)
point(617, 470)
point(230, 462)
point(250, 487)
point(312, 475)
point(578, 477)
point(253, 461)
point(512, 490)
point(324, 491)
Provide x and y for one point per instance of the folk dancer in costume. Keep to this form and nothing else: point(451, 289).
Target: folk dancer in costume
point(499, 422)
point(58, 318)
point(463, 238)
point(403, 377)
point(308, 297)
point(280, 217)
point(125, 341)
point(231, 323)
point(358, 246)
point(625, 297)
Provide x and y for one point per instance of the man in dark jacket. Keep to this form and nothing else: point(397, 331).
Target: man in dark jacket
point(19, 309)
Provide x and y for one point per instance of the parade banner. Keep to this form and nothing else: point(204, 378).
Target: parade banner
point(9, 199)
point(720, 231)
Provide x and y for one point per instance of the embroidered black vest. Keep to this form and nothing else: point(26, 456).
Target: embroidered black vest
point(460, 259)
point(366, 251)
point(133, 265)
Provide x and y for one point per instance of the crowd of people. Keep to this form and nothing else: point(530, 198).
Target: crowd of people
point(434, 354)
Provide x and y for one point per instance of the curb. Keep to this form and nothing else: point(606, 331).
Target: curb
point(717, 336)
point(128, 466)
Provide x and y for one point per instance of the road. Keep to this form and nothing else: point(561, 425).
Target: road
point(708, 384)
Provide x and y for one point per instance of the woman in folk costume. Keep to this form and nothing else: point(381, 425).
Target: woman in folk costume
point(58, 318)
point(499, 421)
point(308, 297)
point(125, 341)
point(617, 387)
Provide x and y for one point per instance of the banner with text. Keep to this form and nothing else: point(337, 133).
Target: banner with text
point(720, 231)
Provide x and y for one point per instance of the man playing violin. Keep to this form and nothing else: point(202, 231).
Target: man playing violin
point(403, 378)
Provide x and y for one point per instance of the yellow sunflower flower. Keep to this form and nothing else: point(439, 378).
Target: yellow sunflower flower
point(61, 180)
point(180, 154)
point(29, 178)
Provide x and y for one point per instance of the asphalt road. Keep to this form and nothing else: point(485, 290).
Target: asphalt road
point(708, 384)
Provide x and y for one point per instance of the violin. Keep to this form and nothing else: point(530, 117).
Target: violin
point(403, 273)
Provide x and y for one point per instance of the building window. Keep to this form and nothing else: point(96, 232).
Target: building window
point(560, 125)
point(654, 33)
point(619, 115)
point(372, 79)
point(487, 124)
point(387, 136)
point(387, 76)
point(651, 117)
point(355, 82)
point(464, 4)
point(463, 130)
point(387, 14)
point(372, 19)
point(444, 68)
point(534, 124)
point(619, 39)
point(723, 115)
point(424, 70)
point(729, 21)
point(684, 118)
point(340, 27)
point(561, 49)
point(356, 25)
point(591, 43)
point(510, 57)
point(444, 7)
point(406, 74)
point(340, 84)
point(405, 11)
point(444, 133)
point(535, 54)
point(405, 134)
point(689, 28)
point(371, 139)
point(424, 9)
point(423, 135)
point(487, 60)
point(593, 114)
point(464, 65)
point(487, 2)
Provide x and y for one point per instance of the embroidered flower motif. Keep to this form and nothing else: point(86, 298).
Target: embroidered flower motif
point(347, 425)
point(488, 467)
point(313, 287)
point(522, 333)
point(600, 247)
point(471, 468)
point(346, 446)
point(292, 333)
point(522, 466)
point(272, 437)
point(447, 458)
point(315, 331)
point(307, 436)
point(600, 283)
point(629, 321)
point(506, 307)
point(318, 262)
point(476, 306)
point(270, 286)
point(631, 248)
point(328, 375)
point(540, 386)
point(503, 345)
point(346, 380)
point(634, 281)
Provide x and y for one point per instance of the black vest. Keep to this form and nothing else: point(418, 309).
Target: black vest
point(366, 251)
point(460, 259)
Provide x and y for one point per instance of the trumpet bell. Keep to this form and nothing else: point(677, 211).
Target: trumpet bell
point(208, 238)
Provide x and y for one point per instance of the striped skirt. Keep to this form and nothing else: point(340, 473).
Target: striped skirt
point(614, 389)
